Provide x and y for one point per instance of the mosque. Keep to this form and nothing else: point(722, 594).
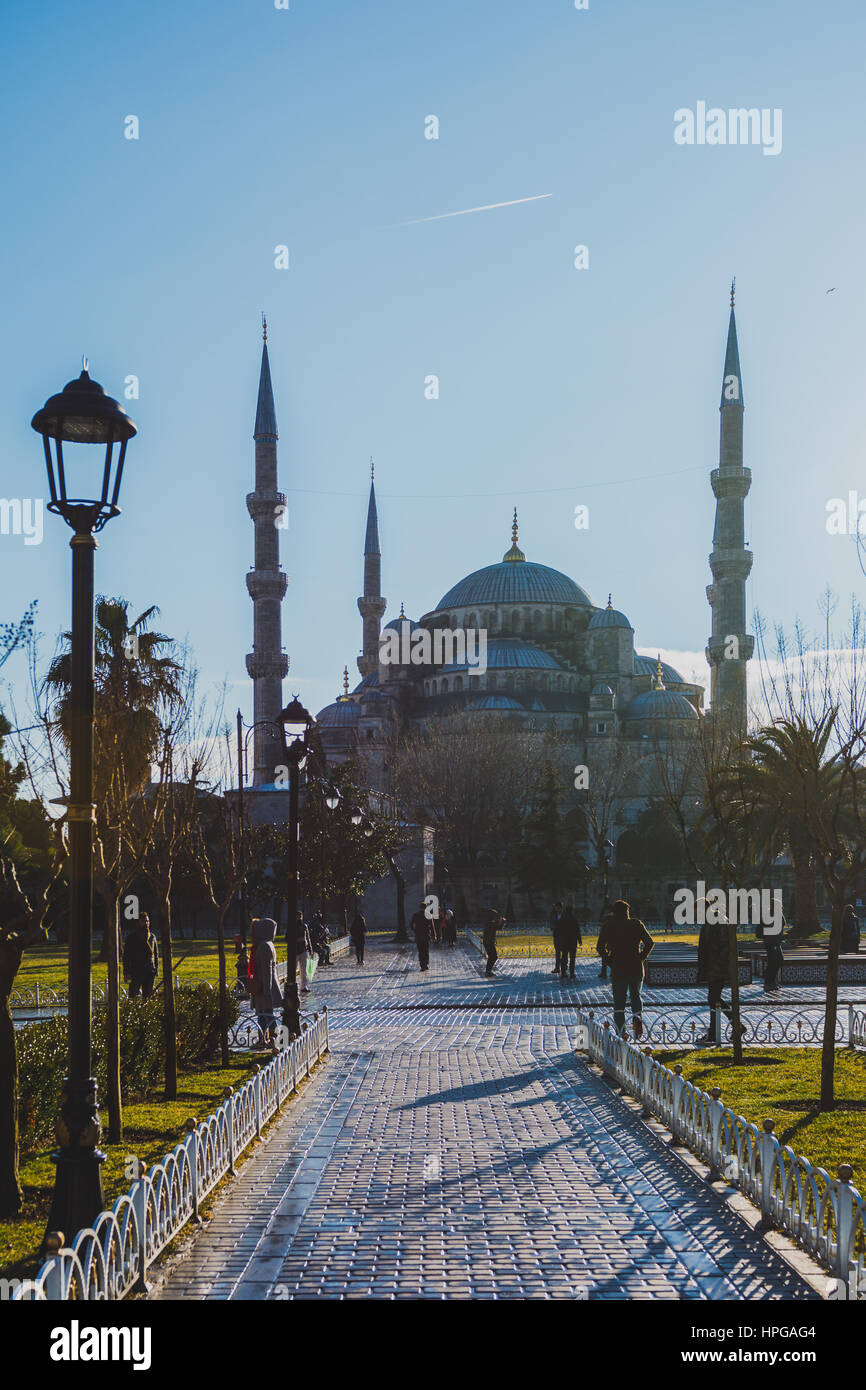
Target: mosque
point(553, 656)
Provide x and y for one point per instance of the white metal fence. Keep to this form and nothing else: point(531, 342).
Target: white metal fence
point(825, 1216)
point(110, 1259)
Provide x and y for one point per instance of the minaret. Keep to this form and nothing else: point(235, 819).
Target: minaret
point(371, 606)
point(267, 664)
point(730, 646)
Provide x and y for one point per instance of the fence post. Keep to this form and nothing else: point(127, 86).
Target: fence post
point(37, 998)
point(767, 1149)
point(850, 1025)
point(677, 1085)
point(306, 1037)
point(192, 1160)
point(139, 1206)
point(844, 1222)
point(230, 1097)
point(719, 1025)
point(646, 1111)
point(327, 1029)
point(257, 1093)
point(717, 1110)
point(53, 1283)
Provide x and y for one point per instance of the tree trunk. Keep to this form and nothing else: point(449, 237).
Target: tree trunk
point(806, 921)
point(402, 934)
point(11, 1195)
point(170, 1027)
point(111, 936)
point(828, 1046)
point(733, 966)
point(223, 993)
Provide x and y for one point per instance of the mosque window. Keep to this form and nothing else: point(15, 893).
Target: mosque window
point(458, 682)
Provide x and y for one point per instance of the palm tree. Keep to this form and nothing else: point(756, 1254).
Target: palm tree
point(134, 680)
point(777, 781)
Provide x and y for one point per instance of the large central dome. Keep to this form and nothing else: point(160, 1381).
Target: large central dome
point(515, 580)
point(515, 583)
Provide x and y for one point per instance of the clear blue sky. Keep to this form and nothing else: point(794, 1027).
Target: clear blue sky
point(558, 386)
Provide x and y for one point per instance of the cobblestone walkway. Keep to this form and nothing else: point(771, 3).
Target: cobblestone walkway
point(453, 1146)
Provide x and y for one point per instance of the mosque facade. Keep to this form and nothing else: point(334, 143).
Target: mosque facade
point(553, 658)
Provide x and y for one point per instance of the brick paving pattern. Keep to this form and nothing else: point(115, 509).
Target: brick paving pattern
point(453, 1146)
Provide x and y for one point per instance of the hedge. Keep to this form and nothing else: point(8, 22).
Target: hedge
point(42, 1052)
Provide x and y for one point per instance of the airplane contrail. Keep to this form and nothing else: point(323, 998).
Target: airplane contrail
point(463, 211)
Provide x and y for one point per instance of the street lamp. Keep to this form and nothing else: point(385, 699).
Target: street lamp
point(295, 725)
point(355, 815)
point(332, 798)
point(81, 414)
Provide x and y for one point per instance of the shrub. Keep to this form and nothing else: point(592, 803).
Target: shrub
point(42, 1052)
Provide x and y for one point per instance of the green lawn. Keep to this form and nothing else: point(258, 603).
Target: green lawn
point(193, 961)
point(528, 944)
point(151, 1129)
point(783, 1084)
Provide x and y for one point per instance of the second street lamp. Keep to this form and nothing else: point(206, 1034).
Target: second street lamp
point(81, 414)
point(295, 724)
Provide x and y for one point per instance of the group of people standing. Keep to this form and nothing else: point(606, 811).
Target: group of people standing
point(438, 930)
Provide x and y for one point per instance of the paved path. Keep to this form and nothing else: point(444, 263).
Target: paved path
point(453, 1146)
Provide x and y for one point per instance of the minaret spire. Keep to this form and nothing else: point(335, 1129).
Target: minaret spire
point(371, 605)
point(267, 664)
point(730, 646)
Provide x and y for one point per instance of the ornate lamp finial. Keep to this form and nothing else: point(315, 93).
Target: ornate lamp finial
point(659, 685)
point(345, 682)
point(733, 290)
point(264, 328)
point(515, 553)
point(402, 612)
point(609, 603)
point(372, 468)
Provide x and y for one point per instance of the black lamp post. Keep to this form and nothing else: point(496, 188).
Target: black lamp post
point(81, 414)
point(606, 848)
point(295, 725)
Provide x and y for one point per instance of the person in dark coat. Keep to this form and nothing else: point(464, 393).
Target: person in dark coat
point(140, 959)
point(554, 921)
point(358, 934)
point(571, 938)
point(320, 938)
point(624, 944)
point(265, 989)
point(491, 926)
point(450, 927)
point(850, 942)
point(304, 948)
point(774, 958)
point(420, 925)
point(714, 969)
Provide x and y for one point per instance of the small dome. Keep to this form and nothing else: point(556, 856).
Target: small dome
point(494, 702)
point(396, 624)
point(601, 689)
point(609, 617)
point(647, 665)
point(661, 704)
point(340, 715)
point(512, 653)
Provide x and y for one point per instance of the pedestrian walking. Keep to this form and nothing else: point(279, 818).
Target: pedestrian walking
point(850, 942)
point(554, 921)
point(264, 988)
point(304, 948)
point(450, 927)
point(420, 925)
point(624, 944)
point(714, 970)
point(140, 959)
point(242, 967)
point(571, 938)
point(774, 957)
point(358, 934)
point(494, 921)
